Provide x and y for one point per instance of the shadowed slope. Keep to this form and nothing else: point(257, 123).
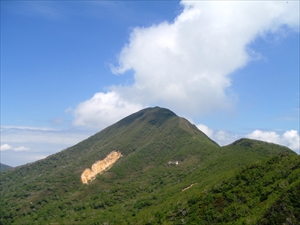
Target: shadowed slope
point(4, 167)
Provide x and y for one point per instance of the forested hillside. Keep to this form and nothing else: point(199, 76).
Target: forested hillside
point(4, 167)
point(169, 173)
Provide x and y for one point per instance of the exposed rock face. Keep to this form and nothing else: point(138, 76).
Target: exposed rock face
point(100, 167)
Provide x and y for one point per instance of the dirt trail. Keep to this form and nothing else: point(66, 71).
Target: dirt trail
point(188, 187)
point(100, 167)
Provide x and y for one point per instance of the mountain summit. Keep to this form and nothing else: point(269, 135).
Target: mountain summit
point(145, 169)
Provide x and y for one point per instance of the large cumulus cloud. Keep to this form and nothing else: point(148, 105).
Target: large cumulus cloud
point(185, 65)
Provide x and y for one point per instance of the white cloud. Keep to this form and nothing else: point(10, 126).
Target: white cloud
point(292, 139)
point(289, 138)
point(205, 129)
point(102, 110)
point(222, 137)
point(28, 128)
point(5, 147)
point(27, 135)
point(186, 65)
point(26, 144)
point(268, 136)
point(21, 148)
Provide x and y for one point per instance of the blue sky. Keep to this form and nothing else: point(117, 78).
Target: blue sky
point(70, 69)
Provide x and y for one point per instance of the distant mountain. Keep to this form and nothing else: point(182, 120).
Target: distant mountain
point(145, 169)
point(4, 167)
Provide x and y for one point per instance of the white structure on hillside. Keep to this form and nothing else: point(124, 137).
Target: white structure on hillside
point(173, 163)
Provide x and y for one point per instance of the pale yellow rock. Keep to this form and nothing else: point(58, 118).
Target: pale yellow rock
point(100, 167)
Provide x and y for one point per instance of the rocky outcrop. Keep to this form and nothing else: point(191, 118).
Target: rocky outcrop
point(100, 167)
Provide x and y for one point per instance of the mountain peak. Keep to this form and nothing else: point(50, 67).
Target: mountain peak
point(153, 115)
point(252, 143)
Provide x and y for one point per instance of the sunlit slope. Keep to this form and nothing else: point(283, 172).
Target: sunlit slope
point(165, 159)
point(266, 192)
point(146, 139)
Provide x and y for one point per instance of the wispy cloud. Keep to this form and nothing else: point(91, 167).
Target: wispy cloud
point(16, 134)
point(27, 128)
point(290, 115)
point(21, 148)
point(61, 10)
point(42, 9)
point(20, 145)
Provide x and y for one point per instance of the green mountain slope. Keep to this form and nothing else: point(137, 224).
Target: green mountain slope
point(4, 167)
point(140, 187)
point(262, 193)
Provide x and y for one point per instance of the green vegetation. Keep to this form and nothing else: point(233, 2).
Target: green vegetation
point(261, 193)
point(4, 167)
point(247, 182)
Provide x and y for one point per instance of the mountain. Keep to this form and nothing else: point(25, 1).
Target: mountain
point(4, 167)
point(150, 165)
